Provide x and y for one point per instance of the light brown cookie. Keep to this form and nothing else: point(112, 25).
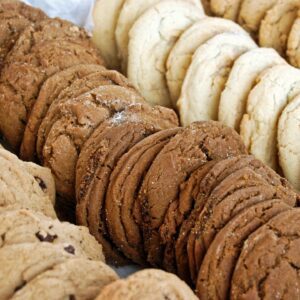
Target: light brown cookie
point(293, 43)
point(228, 9)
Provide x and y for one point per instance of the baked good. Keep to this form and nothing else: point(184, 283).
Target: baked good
point(288, 143)
point(207, 76)
point(181, 54)
point(151, 39)
point(105, 17)
point(50, 91)
point(228, 9)
point(104, 148)
point(214, 279)
point(15, 16)
point(266, 255)
point(188, 150)
point(241, 80)
point(274, 89)
point(293, 50)
point(122, 192)
point(277, 23)
point(148, 284)
point(25, 226)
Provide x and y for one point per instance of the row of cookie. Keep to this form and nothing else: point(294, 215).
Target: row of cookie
point(33, 47)
point(274, 23)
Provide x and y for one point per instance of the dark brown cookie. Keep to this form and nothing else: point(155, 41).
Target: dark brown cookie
point(75, 120)
point(50, 91)
point(122, 191)
point(268, 266)
point(104, 148)
point(14, 18)
point(188, 150)
point(217, 268)
point(32, 60)
point(77, 88)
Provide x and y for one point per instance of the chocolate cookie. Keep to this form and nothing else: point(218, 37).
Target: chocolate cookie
point(75, 120)
point(14, 18)
point(104, 148)
point(214, 278)
point(268, 265)
point(50, 91)
point(122, 192)
point(35, 59)
point(188, 150)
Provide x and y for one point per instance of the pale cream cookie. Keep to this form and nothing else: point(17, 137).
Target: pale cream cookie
point(150, 42)
point(241, 79)
point(207, 75)
point(273, 91)
point(181, 55)
point(289, 142)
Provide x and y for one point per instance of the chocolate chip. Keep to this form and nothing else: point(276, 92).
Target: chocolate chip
point(41, 183)
point(70, 249)
point(46, 237)
point(72, 297)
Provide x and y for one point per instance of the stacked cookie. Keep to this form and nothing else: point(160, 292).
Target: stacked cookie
point(274, 23)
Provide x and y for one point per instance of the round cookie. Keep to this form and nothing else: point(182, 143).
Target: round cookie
point(228, 9)
point(274, 89)
point(75, 120)
point(188, 150)
point(112, 139)
point(25, 226)
point(50, 91)
point(22, 263)
point(123, 187)
point(266, 255)
point(207, 76)
point(214, 279)
point(181, 54)
point(293, 49)
point(105, 17)
point(146, 285)
point(151, 39)
point(241, 80)
point(288, 143)
point(19, 189)
point(75, 278)
point(14, 18)
point(277, 24)
point(252, 13)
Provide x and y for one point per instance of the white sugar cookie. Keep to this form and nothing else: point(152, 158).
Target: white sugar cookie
point(228, 9)
point(289, 142)
point(181, 55)
point(293, 43)
point(240, 82)
point(277, 24)
point(274, 89)
point(105, 17)
point(150, 42)
point(207, 75)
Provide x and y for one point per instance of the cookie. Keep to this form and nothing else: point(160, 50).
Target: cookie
point(214, 279)
point(75, 278)
point(188, 150)
point(274, 89)
point(105, 17)
point(268, 253)
point(123, 188)
point(288, 143)
point(25, 226)
point(293, 51)
point(151, 39)
point(107, 144)
point(14, 18)
point(145, 284)
point(50, 90)
point(252, 13)
point(228, 9)
point(181, 54)
point(241, 80)
point(75, 120)
point(277, 24)
point(19, 189)
point(207, 76)
point(22, 263)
